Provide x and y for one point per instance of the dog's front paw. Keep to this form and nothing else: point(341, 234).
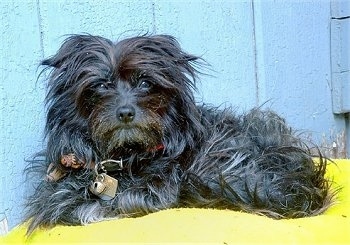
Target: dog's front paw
point(54, 173)
point(70, 161)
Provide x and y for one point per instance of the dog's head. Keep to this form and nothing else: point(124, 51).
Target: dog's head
point(135, 94)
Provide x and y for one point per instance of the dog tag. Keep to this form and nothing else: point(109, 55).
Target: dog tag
point(104, 186)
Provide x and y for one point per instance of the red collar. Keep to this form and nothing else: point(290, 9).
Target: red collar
point(157, 148)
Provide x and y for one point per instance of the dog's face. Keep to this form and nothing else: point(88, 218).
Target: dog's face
point(134, 94)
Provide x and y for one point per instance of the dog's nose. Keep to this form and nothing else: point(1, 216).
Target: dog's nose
point(126, 114)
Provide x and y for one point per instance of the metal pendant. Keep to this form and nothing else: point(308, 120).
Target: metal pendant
point(104, 186)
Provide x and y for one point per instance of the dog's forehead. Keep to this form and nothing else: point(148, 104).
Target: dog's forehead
point(139, 56)
point(159, 57)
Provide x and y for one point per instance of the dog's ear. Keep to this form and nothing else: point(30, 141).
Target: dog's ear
point(67, 50)
point(79, 57)
point(169, 48)
point(74, 46)
point(167, 45)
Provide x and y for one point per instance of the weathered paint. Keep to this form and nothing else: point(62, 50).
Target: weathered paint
point(340, 56)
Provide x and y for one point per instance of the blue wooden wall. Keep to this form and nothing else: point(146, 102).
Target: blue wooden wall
point(278, 52)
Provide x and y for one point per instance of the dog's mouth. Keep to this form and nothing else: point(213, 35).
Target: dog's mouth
point(128, 131)
point(128, 138)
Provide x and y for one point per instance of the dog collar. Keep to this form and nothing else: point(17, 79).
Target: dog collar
point(56, 172)
point(69, 161)
point(158, 148)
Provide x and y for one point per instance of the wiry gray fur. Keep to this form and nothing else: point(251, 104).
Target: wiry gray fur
point(210, 157)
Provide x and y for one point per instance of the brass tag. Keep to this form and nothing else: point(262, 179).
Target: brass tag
point(104, 186)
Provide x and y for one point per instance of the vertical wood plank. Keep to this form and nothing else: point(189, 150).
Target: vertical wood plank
point(222, 33)
point(340, 57)
point(111, 19)
point(293, 59)
point(21, 117)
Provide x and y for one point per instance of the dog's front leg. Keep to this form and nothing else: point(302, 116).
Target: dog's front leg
point(65, 142)
point(66, 201)
point(148, 197)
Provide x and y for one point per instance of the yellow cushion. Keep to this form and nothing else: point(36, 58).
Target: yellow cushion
point(189, 225)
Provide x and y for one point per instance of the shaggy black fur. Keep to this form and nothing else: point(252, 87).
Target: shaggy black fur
point(132, 100)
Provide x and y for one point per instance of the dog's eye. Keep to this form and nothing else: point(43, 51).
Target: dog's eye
point(145, 85)
point(106, 85)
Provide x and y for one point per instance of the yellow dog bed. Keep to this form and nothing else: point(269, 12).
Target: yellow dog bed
point(208, 226)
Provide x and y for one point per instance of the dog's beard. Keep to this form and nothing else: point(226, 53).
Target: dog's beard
point(115, 138)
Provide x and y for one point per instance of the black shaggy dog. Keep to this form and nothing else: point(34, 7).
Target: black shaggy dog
point(125, 138)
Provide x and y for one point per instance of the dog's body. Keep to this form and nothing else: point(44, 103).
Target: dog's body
point(133, 101)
